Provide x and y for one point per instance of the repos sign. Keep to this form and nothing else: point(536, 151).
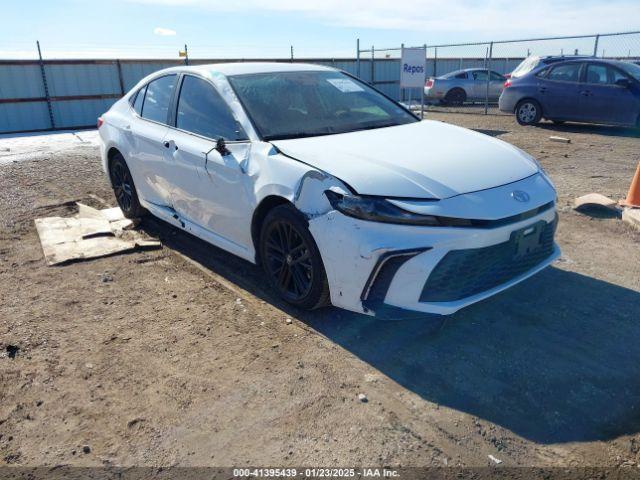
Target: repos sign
point(413, 67)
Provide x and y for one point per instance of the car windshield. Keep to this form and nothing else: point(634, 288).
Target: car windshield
point(631, 68)
point(526, 66)
point(311, 103)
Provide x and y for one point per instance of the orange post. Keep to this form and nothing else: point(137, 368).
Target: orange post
point(633, 197)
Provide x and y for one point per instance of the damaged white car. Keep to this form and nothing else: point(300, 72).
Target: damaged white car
point(341, 194)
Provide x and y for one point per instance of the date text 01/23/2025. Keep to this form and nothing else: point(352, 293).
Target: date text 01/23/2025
point(315, 473)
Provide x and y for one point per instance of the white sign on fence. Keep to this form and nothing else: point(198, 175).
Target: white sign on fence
point(413, 67)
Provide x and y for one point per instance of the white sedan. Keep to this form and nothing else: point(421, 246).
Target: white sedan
point(341, 194)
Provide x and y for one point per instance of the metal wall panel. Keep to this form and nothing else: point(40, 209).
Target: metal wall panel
point(15, 117)
point(77, 113)
point(82, 79)
point(21, 81)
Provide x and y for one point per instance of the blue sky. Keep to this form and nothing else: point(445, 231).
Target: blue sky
point(316, 28)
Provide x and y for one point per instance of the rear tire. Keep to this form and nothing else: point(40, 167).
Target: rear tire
point(291, 259)
point(455, 97)
point(124, 189)
point(528, 112)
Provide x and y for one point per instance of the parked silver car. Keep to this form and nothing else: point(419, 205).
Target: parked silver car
point(461, 86)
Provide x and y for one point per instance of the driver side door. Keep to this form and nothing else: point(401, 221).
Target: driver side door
point(209, 188)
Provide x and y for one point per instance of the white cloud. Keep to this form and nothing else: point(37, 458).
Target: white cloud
point(164, 32)
point(481, 19)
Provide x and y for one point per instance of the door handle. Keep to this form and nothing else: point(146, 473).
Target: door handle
point(542, 89)
point(586, 93)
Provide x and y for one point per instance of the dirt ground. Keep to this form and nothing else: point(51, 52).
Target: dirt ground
point(145, 359)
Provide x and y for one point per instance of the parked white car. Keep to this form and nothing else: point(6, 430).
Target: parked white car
point(340, 193)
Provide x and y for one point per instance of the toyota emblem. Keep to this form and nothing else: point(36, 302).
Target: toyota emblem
point(520, 196)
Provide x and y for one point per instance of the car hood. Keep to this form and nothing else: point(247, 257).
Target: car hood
point(427, 159)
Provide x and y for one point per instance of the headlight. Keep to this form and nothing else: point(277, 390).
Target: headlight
point(377, 209)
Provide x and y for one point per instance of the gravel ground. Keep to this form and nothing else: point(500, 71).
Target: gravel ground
point(146, 359)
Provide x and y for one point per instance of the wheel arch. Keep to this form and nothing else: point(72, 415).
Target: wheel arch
point(111, 153)
point(267, 204)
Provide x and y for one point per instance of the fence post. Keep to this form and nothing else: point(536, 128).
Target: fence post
point(358, 57)
point(46, 88)
point(122, 92)
point(486, 97)
point(435, 62)
point(400, 81)
point(373, 71)
point(595, 47)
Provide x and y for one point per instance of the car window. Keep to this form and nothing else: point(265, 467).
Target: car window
point(525, 66)
point(631, 68)
point(480, 75)
point(542, 73)
point(137, 104)
point(462, 75)
point(202, 110)
point(565, 73)
point(157, 98)
point(615, 75)
point(597, 74)
point(496, 77)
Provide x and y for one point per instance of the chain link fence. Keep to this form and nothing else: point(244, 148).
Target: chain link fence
point(479, 92)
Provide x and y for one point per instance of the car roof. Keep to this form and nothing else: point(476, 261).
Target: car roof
point(593, 59)
point(561, 58)
point(243, 68)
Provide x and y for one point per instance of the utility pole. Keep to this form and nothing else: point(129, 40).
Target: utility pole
point(292, 53)
point(186, 55)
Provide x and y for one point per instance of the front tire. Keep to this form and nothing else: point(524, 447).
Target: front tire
point(124, 189)
point(291, 260)
point(528, 112)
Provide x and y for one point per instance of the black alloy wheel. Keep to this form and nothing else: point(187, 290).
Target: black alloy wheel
point(288, 260)
point(291, 260)
point(124, 189)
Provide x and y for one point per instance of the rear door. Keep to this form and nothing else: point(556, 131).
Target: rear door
point(603, 100)
point(146, 134)
point(558, 92)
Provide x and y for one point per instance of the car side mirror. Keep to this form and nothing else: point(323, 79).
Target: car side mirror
point(623, 82)
point(221, 147)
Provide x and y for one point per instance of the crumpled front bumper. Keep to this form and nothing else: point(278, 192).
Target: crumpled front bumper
point(374, 267)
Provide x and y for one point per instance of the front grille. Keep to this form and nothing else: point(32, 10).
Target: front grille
point(463, 273)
